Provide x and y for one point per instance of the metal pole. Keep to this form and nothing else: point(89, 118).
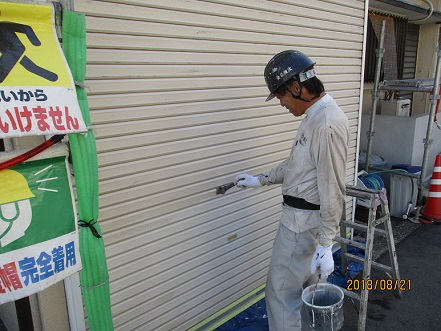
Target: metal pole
point(375, 93)
point(428, 141)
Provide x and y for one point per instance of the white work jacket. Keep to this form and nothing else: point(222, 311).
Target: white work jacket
point(315, 170)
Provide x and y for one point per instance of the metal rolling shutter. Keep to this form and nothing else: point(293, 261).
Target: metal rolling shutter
point(177, 101)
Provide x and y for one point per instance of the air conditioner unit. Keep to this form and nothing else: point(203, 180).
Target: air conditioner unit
point(396, 107)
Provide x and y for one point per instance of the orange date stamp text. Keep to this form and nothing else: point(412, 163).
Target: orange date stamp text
point(379, 284)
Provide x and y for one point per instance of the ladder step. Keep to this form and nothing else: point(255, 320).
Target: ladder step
point(361, 192)
point(364, 228)
point(350, 242)
point(375, 265)
point(351, 294)
point(381, 220)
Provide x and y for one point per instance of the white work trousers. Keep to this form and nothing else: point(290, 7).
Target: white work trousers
point(289, 272)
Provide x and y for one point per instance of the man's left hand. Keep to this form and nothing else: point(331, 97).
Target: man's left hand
point(323, 260)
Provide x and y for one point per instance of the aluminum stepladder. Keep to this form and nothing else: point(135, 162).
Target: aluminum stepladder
point(375, 198)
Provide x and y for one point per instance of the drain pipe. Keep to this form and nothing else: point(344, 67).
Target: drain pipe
point(375, 94)
point(428, 15)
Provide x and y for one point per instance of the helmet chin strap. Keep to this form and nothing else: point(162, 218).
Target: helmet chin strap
point(300, 95)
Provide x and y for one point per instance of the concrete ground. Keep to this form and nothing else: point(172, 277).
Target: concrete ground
point(419, 261)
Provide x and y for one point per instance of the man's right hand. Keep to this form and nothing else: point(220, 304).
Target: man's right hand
point(245, 180)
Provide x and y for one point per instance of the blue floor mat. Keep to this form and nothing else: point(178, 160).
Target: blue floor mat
point(253, 318)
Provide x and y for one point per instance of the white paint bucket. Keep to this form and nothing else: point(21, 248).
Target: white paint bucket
point(324, 308)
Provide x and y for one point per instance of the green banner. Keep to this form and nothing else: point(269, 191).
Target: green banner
point(38, 232)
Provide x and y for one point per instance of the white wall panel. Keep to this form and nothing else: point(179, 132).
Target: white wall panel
point(177, 102)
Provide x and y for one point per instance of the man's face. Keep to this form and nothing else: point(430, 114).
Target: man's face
point(290, 103)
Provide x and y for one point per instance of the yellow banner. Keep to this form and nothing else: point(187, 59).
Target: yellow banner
point(37, 92)
point(29, 48)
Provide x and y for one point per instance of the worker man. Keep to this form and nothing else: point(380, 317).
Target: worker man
point(313, 187)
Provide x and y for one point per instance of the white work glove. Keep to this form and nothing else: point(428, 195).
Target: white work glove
point(323, 260)
point(245, 180)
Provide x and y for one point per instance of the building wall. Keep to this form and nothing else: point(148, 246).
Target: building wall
point(405, 139)
point(177, 103)
point(426, 64)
